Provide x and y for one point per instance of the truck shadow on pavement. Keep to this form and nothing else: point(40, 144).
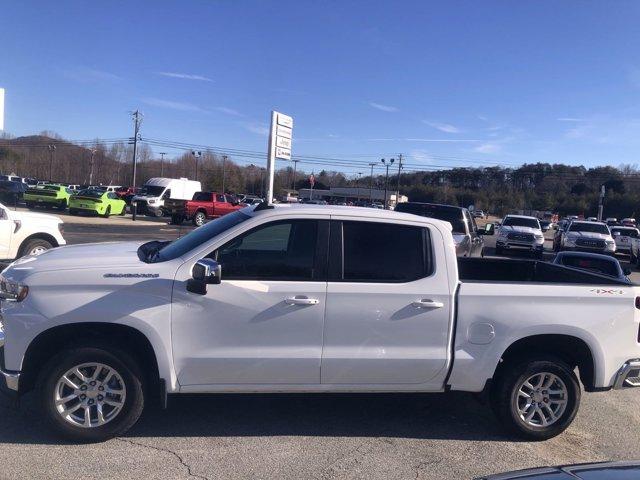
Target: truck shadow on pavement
point(452, 416)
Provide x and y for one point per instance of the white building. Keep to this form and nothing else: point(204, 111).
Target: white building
point(351, 194)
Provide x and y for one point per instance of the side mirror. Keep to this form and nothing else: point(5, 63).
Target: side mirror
point(489, 229)
point(205, 272)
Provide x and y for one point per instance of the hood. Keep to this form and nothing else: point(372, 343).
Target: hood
point(110, 255)
point(512, 228)
point(35, 216)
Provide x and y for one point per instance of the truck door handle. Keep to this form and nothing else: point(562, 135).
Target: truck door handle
point(301, 300)
point(426, 303)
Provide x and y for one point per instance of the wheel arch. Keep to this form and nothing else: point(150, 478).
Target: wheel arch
point(569, 348)
point(49, 342)
point(37, 236)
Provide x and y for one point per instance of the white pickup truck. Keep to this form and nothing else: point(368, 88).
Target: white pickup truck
point(308, 299)
point(28, 233)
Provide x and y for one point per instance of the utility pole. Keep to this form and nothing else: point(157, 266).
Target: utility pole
point(398, 184)
point(196, 155)
point(137, 119)
point(386, 178)
point(93, 152)
point(371, 182)
point(162, 154)
point(224, 172)
point(358, 185)
point(603, 191)
point(295, 165)
point(52, 151)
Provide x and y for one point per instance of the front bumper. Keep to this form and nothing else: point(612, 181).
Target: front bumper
point(628, 375)
point(9, 381)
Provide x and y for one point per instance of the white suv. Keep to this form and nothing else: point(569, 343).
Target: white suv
point(518, 232)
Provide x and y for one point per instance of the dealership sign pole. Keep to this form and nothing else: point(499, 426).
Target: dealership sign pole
point(280, 136)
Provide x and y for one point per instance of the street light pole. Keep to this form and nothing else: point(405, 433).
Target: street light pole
point(196, 155)
point(136, 129)
point(295, 164)
point(52, 151)
point(371, 182)
point(162, 154)
point(398, 184)
point(224, 172)
point(358, 185)
point(386, 178)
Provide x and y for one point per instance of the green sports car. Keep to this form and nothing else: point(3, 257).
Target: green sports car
point(48, 196)
point(97, 201)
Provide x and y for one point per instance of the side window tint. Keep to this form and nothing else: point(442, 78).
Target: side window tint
point(220, 198)
point(379, 252)
point(276, 251)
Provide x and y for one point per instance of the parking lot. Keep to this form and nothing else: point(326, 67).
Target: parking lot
point(408, 436)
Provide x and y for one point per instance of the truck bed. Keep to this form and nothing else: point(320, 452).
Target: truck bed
point(527, 271)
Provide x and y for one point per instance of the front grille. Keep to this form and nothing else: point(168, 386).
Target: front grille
point(142, 206)
point(590, 243)
point(520, 237)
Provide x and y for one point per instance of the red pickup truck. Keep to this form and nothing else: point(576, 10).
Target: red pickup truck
point(202, 206)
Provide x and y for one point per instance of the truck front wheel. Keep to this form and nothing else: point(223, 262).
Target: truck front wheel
point(90, 394)
point(537, 398)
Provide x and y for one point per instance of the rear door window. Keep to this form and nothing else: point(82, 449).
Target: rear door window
point(384, 252)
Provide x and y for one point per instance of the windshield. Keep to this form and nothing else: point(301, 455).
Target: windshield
point(151, 190)
point(202, 196)
point(589, 227)
point(198, 236)
point(626, 232)
point(598, 265)
point(520, 222)
point(450, 214)
point(90, 193)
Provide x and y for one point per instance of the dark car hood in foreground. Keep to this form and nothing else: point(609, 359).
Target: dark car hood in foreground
point(587, 471)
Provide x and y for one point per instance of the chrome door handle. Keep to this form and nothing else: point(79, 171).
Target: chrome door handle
point(426, 303)
point(300, 300)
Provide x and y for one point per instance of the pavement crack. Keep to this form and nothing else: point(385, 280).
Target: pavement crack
point(165, 450)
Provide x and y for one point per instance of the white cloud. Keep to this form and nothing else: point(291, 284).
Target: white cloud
point(488, 148)
point(185, 76)
point(421, 156)
point(170, 104)
point(229, 111)
point(258, 129)
point(85, 74)
point(426, 140)
point(443, 127)
point(571, 119)
point(384, 108)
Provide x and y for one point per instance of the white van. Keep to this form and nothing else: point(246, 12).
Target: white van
point(155, 191)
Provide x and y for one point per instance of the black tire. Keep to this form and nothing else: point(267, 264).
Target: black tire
point(62, 206)
point(73, 211)
point(103, 354)
point(30, 205)
point(158, 213)
point(34, 244)
point(505, 396)
point(107, 212)
point(199, 218)
point(124, 210)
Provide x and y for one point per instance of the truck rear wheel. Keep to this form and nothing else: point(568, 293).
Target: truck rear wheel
point(199, 218)
point(90, 394)
point(537, 398)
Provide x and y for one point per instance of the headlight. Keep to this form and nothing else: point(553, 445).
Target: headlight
point(610, 242)
point(539, 237)
point(12, 291)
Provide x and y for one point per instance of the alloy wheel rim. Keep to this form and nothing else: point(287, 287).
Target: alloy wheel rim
point(90, 395)
point(541, 400)
point(37, 250)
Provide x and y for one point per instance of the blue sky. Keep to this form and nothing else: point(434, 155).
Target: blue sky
point(444, 83)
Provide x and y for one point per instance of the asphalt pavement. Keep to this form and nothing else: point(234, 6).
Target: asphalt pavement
point(323, 436)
